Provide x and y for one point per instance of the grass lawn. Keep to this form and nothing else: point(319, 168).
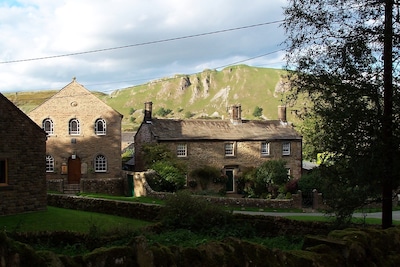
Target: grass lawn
point(58, 219)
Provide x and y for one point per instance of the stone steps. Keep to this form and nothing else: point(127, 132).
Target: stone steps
point(72, 189)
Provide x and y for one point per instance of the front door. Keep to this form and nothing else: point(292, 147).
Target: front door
point(74, 170)
point(230, 180)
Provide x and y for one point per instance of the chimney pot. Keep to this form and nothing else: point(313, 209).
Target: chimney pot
point(148, 106)
point(282, 113)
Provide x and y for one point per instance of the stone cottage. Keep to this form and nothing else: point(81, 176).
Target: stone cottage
point(22, 164)
point(83, 151)
point(229, 145)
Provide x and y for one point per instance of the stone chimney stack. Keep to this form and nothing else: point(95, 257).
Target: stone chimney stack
point(236, 114)
point(148, 106)
point(282, 113)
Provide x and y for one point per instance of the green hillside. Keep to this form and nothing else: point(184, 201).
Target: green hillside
point(206, 95)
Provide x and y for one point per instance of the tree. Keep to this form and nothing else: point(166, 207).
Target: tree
point(267, 178)
point(257, 111)
point(171, 172)
point(336, 58)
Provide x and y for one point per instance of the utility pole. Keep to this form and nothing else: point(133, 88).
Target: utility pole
point(387, 120)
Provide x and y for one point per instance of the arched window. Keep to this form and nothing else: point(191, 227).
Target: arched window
point(74, 128)
point(48, 126)
point(100, 163)
point(49, 163)
point(100, 127)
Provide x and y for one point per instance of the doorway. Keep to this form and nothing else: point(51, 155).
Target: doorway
point(230, 181)
point(74, 170)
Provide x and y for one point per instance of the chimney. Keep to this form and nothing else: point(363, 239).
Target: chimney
point(282, 113)
point(236, 114)
point(148, 106)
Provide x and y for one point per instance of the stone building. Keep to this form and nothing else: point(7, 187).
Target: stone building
point(84, 140)
point(22, 165)
point(230, 145)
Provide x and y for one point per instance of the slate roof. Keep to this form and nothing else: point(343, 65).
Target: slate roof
point(247, 130)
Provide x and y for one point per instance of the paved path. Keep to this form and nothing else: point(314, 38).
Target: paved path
point(378, 215)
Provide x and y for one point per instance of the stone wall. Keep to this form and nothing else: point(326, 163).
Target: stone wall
point(22, 153)
point(109, 186)
point(120, 208)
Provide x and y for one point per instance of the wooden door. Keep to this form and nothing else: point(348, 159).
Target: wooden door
point(74, 170)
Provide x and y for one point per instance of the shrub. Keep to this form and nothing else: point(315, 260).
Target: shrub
point(206, 174)
point(183, 211)
point(170, 178)
point(257, 111)
point(266, 179)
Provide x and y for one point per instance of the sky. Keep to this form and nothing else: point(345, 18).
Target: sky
point(114, 44)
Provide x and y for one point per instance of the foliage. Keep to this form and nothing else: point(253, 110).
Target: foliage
point(170, 178)
point(205, 175)
point(257, 112)
point(335, 53)
point(188, 115)
point(311, 181)
point(266, 179)
point(171, 172)
point(128, 153)
point(131, 111)
point(184, 211)
point(132, 119)
point(162, 112)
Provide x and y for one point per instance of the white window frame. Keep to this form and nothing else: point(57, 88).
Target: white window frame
point(71, 127)
point(265, 148)
point(49, 163)
point(100, 127)
point(229, 148)
point(50, 129)
point(181, 150)
point(286, 148)
point(100, 163)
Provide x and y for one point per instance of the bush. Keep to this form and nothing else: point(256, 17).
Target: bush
point(266, 179)
point(206, 174)
point(170, 178)
point(183, 211)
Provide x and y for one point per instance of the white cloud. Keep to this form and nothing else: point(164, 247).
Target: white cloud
point(46, 28)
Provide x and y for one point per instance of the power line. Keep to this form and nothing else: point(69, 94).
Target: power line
point(142, 44)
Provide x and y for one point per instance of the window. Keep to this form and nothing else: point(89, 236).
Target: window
point(100, 127)
point(286, 149)
point(3, 172)
point(181, 150)
point(100, 164)
point(74, 128)
point(48, 126)
point(229, 149)
point(264, 148)
point(49, 163)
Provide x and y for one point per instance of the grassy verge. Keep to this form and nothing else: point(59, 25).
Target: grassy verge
point(58, 219)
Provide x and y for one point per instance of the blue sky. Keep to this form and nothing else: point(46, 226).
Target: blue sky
point(114, 44)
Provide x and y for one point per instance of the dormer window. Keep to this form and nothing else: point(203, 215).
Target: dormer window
point(100, 127)
point(74, 127)
point(48, 126)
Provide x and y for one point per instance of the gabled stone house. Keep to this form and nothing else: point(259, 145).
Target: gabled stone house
point(84, 139)
point(230, 145)
point(22, 164)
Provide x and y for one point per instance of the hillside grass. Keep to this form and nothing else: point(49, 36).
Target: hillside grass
point(249, 86)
